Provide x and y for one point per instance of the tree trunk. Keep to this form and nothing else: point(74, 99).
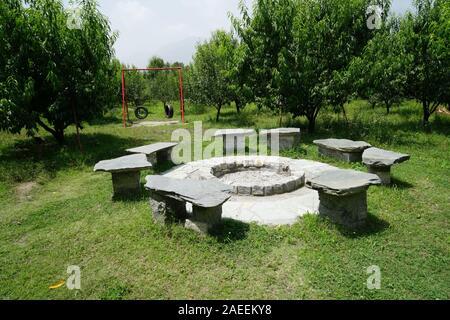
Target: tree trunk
point(311, 124)
point(388, 108)
point(57, 133)
point(344, 112)
point(426, 113)
point(219, 107)
point(238, 107)
point(281, 116)
point(59, 136)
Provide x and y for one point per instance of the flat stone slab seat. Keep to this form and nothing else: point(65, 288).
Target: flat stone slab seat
point(168, 198)
point(156, 153)
point(234, 139)
point(379, 162)
point(342, 149)
point(287, 137)
point(126, 173)
point(343, 195)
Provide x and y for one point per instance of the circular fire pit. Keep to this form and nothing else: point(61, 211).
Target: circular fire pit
point(273, 210)
point(257, 178)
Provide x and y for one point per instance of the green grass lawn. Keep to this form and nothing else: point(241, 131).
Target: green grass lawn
point(56, 212)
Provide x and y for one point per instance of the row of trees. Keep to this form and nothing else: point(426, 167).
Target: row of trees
point(299, 56)
point(296, 56)
point(143, 86)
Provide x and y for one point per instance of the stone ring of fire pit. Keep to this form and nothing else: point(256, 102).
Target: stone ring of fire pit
point(254, 177)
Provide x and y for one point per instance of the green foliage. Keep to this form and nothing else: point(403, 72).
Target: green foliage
point(424, 36)
point(379, 72)
point(51, 74)
point(267, 38)
point(152, 85)
point(117, 67)
point(214, 71)
point(299, 51)
point(163, 85)
point(136, 86)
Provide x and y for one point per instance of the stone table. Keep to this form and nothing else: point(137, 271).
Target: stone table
point(343, 195)
point(342, 149)
point(287, 137)
point(379, 162)
point(156, 153)
point(234, 139)
point(126, 173)
point(168, 198)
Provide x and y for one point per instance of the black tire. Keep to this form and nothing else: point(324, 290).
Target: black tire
point(141, 113)
point(169, 111)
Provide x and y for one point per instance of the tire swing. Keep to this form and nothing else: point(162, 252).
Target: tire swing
point(168, 110)
point(141, 112)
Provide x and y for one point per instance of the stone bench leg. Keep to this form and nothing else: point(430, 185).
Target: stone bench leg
point(289, 141)
point(126, 183)
point(286, 141)
point(384, 173)
point(344, 156)
point(203, 219)
point(234, 144)
point(152, 159)
point(160, 157)
point(349, 211)
point(167, 210)
point(164, 156)
point(229, 145)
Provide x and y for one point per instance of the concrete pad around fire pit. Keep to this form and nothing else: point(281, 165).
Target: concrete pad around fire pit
point(273, 210)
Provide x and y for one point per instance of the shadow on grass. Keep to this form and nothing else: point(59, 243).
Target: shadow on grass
point(400, 184)
point(374, 128)
point(130, 198)
point(230, 230)
point(229, 118)
point(163, 167)
point(26, 160)
point(373, 226)
point(107, 119)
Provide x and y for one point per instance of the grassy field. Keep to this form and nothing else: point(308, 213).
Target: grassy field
point(55, 212)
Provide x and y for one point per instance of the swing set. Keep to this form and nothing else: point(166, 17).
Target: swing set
point(124, 91)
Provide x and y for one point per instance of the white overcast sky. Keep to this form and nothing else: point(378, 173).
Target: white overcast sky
point(171, 28)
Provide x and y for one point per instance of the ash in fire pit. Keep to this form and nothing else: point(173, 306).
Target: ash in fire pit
point(256, 178)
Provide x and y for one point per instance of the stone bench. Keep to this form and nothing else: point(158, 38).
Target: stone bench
point(287, 137)
point(156, 153)
point(168, 199)
point(379, 162)
point(126, 173)
point(342, 149)
point(234, 139)
point(343, 195)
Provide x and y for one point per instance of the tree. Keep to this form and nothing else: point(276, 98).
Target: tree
point(239, 74)
point(163, 85)
point(53, 76)
point(212, 71)
point(424, 37)
point(136, 86)
point(299, 52)
point(380, 69)
point(441, 44)
point(117, 67)
point(267, 37)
